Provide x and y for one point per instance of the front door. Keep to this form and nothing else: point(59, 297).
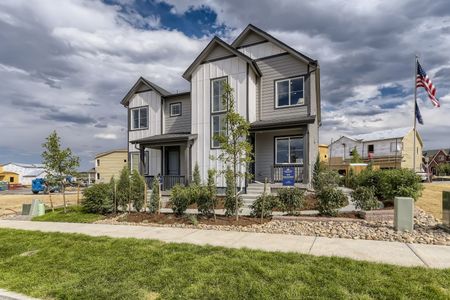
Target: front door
point(173, 160)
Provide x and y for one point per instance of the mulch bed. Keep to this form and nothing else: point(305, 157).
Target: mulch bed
point(167, 218)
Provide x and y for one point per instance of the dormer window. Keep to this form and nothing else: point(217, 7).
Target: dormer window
point(139, 118)
point(289, 92)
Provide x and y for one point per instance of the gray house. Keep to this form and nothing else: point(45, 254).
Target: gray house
point(276, 88)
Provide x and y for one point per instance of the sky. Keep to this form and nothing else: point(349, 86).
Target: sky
point(65, 65)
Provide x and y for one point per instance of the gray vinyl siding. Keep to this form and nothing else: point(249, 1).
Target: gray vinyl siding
point(179, 123)
point(218, 52)
point(265, 150)
point(251, 38)
point(275, 68)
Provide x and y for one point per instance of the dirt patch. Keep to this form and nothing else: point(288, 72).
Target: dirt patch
point(166, 218)
point(311, 202)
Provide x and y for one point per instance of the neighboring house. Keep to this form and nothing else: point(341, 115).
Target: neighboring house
point(19, 173)
point(436, 158)
point(323, 153)
point(110, 163)
point(387, 149)
point(276, 88)
point(87, 176)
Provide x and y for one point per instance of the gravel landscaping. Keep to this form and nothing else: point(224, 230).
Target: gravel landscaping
point(426, 229)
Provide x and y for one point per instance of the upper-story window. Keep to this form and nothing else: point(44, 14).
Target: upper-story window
point(289, 92)
point(218, 110)
point(175, 109)
point(139, 118)
point(396, 146)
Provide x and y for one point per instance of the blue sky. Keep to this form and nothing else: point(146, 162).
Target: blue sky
point(66, 64)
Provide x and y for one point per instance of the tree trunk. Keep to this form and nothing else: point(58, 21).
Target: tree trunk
point(64, 196)
point(51, 202)
point(235, 188)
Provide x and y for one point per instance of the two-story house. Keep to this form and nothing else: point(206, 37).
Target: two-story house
point(435, 158)
point(387, 149)
point(276, 88)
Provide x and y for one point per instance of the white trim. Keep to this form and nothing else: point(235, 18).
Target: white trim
point(289, 149)
point(289, 92)
point(139, 117)
point(212, 95)
point(171, 105)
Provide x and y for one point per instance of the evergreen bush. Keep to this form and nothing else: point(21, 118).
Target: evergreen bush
point(180, 199)
point(264, 205)
point(137, 190)
point(97, 199)
point(291, 199)
point(123, 189)
point(153, 206)
point(330, 200)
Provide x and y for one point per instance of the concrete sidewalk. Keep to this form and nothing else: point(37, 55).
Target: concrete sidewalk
point(375, 251)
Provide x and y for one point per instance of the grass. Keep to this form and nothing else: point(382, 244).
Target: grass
point(74, 215)
point(70, 266)
point(431, 199)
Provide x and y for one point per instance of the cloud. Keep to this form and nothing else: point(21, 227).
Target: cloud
point(106, 136)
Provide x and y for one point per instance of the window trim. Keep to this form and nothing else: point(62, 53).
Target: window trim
point(289, 149)
point(170, 109)
point(131, 117)
point(214, 113)
point(275, 88)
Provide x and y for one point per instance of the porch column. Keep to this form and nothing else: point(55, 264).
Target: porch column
point(187, 156)
point(141, 160)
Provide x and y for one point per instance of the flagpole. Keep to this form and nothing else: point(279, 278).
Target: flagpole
point(416, 58)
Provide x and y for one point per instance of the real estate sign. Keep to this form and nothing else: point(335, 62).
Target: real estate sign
point(288, 176)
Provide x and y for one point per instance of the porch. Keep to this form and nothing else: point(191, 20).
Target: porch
point(170, 159)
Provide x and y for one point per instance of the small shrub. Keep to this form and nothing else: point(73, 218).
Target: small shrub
point(180, 199)
point(369, 178)
point(330, 200)
point(97, 199)
point(137, 190)
point(399, 183)
point(196, 175)
point(153, 206)
point(123, 189)
point(230, 192)
point(291, 199)
point(204, 200)
point(364, 198)
point(266, 204)
point(326, 178)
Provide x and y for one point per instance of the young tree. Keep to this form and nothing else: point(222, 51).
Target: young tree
point(356, 158)
point(236, 150)
point(137, 194)
point(123, 189)
point(196, 176)
point(59, 163)
point(155, 197)
point(319, 167)
point(212, 189)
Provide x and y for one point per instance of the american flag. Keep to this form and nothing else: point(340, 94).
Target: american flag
point(422, 80)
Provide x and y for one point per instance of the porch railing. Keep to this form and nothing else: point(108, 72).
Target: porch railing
point(167, 181)
point(277, 172)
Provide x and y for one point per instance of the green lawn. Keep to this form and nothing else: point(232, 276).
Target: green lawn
point(70, 266)
point(74, 215)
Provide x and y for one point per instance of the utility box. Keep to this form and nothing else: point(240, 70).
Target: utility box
point(403, 214)
point(446, 207)
point(26, 208)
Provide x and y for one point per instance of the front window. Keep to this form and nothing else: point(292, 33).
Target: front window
point(98, 162)
point(396, 147)
point(289, 150)
point(218, 111)
point(139, 118)
point(370, 148)
point(289, 92)
point(175, 109)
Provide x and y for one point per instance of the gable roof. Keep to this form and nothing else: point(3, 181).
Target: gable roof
point(214, 42)
point(252, 28)
point(146, 82)
point(433, 152)
point(383, 134)
point(109, 152)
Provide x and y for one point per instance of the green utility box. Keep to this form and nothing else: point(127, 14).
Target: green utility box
point(403, 214)
point(26, 208)
point(446, 207)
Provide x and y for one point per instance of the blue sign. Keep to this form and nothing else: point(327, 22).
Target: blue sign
point(288, 176)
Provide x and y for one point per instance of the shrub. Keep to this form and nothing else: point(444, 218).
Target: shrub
point(153, 206)
point(364, 198)
point(203, 198)
point(399, 183)
point(291, 199)
point(264, 205)
point(319, 167)
point(137, 190)
point(196, 175)
point(326, 178)
point(369, 178)
point(123, 189)
point(230, 193)
point(97, 199)
point(330, 200)
point(112, 193)
point(180, 199)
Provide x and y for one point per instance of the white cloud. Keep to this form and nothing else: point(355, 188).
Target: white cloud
point(106, 136)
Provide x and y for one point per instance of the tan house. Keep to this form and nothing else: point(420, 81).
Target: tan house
point(386, 149)
point(110, 163)
point(323, 153)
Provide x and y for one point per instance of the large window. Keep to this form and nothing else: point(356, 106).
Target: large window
point(289, 150)
point(289, 92)
point(135, 161)
point(218, 110)
point(139, 118)
point(396, 146)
